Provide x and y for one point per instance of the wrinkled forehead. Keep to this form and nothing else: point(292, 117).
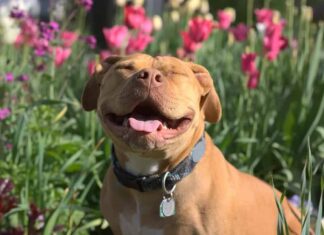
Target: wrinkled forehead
point(165, 64)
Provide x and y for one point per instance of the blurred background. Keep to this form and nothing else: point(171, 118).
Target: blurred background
point(267, 61)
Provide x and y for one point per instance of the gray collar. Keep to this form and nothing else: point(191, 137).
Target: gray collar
point(153, 182)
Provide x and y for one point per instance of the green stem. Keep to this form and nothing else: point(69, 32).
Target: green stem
point(249, 19)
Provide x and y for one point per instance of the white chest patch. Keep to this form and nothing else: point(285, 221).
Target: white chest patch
point(130, 224)
point(141, 166)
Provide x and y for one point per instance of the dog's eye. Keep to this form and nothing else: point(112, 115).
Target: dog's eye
point(125, 67)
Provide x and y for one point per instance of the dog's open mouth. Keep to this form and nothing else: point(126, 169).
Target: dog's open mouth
point(147, 118)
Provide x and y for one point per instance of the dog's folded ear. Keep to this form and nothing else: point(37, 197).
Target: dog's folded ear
point(92, 89)
point(211, 105)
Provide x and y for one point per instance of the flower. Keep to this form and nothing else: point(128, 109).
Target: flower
point(12, 231)
point(7, 202)
point(146, 26)
point(115, 36)
point(264, 16)
point(225, 18)
point(248, 62)
point(60, 55)
point(48, 30)
point(23, 78)
point(16, 13)
point(36, 217)
point(273, 41)
point(91, 66)
point(68, 38)
point(87, 4)
point(254, 79)
point(91, 41)
point(200, 29)
point(248, 66)
point(296, 201)
point(28, 32)
point(189, 45)
point(138, 43)
point(240, 32)
point(104, 54)
point(41, 47)
point(157, 22)
point(134, 16)
point(4, 113)
point(9, 77)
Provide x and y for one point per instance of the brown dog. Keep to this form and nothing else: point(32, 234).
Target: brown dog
point(153, 109)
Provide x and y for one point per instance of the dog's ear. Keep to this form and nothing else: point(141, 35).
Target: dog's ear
point(92, 89)
point(211, 105)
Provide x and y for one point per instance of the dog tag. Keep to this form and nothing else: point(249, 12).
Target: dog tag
point(167, 207)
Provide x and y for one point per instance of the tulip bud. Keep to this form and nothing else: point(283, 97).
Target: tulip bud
point(307, 13)
point(157, 22)
point(175, 16)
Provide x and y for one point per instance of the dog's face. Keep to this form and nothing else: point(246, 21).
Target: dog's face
point(151, 103)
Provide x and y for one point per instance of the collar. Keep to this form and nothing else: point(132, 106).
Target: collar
point(153, 182)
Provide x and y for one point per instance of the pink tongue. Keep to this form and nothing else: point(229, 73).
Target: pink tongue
point(146, 126)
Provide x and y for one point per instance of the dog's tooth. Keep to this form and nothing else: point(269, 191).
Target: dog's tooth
point(125, 122)
point(165, 126)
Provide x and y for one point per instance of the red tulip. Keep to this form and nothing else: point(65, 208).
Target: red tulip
point(189, 45)
point(240, 32)
point(200, 29)
point(134, 16)
point(61, 55)
point(115, 36)
point(138, 43)
point(68, 38)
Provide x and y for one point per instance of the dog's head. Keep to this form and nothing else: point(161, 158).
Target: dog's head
point(151, 103)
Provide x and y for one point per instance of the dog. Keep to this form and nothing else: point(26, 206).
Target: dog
point(167, 176)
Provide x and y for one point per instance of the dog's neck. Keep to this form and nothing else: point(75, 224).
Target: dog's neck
point(137, 164)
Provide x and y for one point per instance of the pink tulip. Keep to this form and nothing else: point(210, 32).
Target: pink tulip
point(264, 16)
point(134, 16)
point(254, 79)
point(248, 62)
point(200, 29)
point(146, 26)
point(61, 55)
point(240, 32)
point(248, 66)
point(104, 54)
point(115, 36)
point(28, 32)
point(68, 38)
point(274, 42)
point(189, 45)
point(4, 113)
point(91, 66)
point(225, 18)
point(138, 43)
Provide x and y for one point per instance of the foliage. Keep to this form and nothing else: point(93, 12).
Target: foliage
point(56, 155)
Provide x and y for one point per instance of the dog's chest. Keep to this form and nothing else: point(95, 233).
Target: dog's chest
point(132, 223)
point(138, 219)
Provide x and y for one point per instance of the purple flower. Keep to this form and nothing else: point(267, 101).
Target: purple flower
point(48, 30)
point(16, 13)
point(296, 201)
point(9, 77)
point(23, 78)
point(6, 186)
point(12, 231)
point(87, 4)
point(4, 113)
point(91, 41)
point(36, 217)
point(41, 47)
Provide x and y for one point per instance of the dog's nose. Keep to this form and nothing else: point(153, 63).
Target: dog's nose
point(151, 74)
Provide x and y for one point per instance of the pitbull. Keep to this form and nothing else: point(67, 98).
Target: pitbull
point(167, 176)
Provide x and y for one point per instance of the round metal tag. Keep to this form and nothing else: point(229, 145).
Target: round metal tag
point(167, 207)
